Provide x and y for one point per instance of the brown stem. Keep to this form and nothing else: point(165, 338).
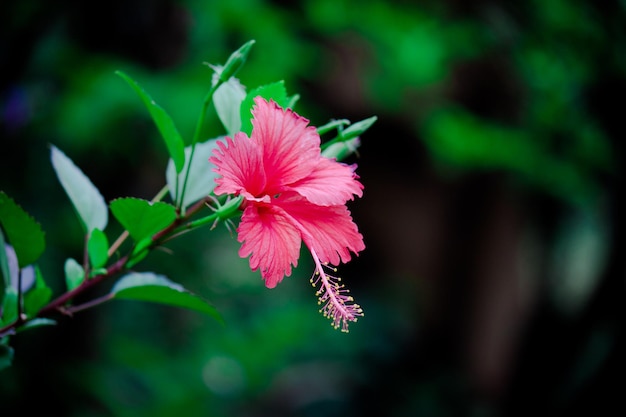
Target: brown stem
point(58, 303)
point(115, 246)
point(190, 212)
point(89, 304)
point(64, 298)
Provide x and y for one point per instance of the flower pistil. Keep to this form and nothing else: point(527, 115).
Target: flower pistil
point(337, 303)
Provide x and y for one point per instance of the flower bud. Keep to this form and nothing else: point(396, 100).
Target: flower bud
point(341, 150)
point(235, 61)
point(358, 128)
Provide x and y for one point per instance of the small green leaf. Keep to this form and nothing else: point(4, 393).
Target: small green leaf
point(9, 306)
point(98, 247)
point(6, 356)
point(164, 123)
point(274, 91)
point(38, 296)
point(147, 286)
point(97, 271)
point(142, 218)
point(74, 274)
point(4, 267)
point(32, 324)
point(227, 100)
point(85, 197)
point(201, 180)
point(22, 232)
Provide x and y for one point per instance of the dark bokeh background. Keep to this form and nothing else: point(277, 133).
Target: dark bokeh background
point(493, 279)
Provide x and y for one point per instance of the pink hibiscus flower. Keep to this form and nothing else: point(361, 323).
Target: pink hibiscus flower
point(292, 194)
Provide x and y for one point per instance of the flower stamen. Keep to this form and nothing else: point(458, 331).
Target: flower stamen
point(337, 303)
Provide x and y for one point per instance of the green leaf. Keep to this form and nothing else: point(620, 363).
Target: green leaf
point(22, 232)
point(97, 271)
point(4, 267)
point(38, 296)
point(32, 324)
point(85, 197)
point(227, 100)
point(6, 356)
point(74, 274)
point(147, 286)
point(274, 91)
point(97, 248)
point(201, 180)
point(9, 306)
point(142, 218)
point(164, 123)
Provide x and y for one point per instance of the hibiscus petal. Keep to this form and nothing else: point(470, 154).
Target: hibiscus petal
point(328, 230)
point(330, 183)
point(271, 240)
point(291, 148)
point(239, 162)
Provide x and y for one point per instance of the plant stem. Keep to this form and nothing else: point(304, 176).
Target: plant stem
point(64, 298)
point(196, 137)
point(58, 302)
point(159, 196)
point(89, 304)
point(168, 230)
point(118, 242)
point(223, 212)
point(232, 65)
point(115, 246)
point(114, 268)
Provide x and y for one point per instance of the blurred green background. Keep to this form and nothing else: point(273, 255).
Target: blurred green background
point(493, 279)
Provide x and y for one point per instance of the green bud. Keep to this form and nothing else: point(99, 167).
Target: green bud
point(235, 61)
point(358, 128)
point(347, 140)
point(340, 150)
point(333, 124)
point(226, 211)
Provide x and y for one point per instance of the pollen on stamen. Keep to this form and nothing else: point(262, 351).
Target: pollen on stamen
point(338, 305)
